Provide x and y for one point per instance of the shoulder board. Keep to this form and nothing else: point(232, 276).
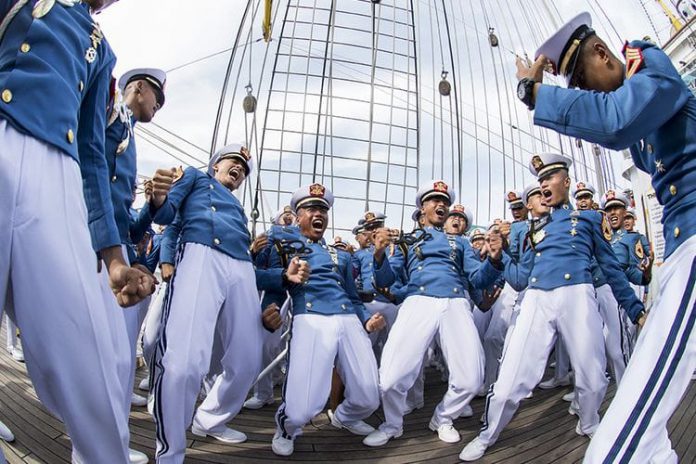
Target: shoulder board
point(634, 59)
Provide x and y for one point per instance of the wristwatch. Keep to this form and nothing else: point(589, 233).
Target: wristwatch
point(525, 92)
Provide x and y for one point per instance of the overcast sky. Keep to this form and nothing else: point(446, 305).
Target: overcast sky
point(174, 33)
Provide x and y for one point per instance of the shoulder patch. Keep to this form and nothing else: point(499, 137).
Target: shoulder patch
point(606, 228)
point(638, 248)
point(634, 60)
point(178, 174)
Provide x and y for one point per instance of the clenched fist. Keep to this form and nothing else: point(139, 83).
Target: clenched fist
point(161, 184)
point(271, 317)
point(298, 271)
point(375, 323)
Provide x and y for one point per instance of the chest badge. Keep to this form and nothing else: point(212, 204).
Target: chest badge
point(42, 8)
point(606, 229)
point(659, 167)
point(538, 236)
point(123, 145)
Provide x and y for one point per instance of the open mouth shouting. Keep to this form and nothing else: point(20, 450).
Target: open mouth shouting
point(441, 212)
point(546, 195)
point(318, 224)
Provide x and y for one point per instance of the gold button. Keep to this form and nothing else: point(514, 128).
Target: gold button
point(673, 189)
point(213, 208)
point(456, 290)
point(420, 268)
point(566, 277)
point(343, 306)
point(25, 47)
point(216, 241)
point(81, 86)
point(309, 305)
point(7, 96)
point(650, 148)
point(70, 136)
point(211, 187)
point(676, 232)
point(534, 279)
point(422, 289)
point(538, 254)
point(113, 179)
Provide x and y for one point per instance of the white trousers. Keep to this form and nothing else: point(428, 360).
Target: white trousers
point(571, 312)
point(11, 332)
point(317, 343)
point(615, 333)
point(481, 321)
point(634, 428)
point(494, 338)
point(152, 324)
point(272, 346)
point(124, 334)
point(64, 323)
point(209, 289)
point(420, 320)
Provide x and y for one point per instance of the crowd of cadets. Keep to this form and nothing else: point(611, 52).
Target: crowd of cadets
point(354, 327)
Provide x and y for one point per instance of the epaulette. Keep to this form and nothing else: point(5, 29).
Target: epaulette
point(634, 59)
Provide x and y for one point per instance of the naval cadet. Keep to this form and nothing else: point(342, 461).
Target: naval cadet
point(439, 268)
point(140, 96)
point(283, 233)
point(560, 299)
point(642, 105)
point(330, 326)
point(459, 220)
point(55, 75)
point(213, 291)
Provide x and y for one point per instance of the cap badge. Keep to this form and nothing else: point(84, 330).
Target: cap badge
point(440, 186)
point(537, 163)
point(317, 190)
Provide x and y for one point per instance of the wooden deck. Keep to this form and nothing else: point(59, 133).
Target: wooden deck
point(541, 432)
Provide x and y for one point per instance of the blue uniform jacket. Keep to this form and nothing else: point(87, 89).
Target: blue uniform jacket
point(152, 256)
point(654, 114)
point(51, 92)
point(265, 259)
point(364, 262)
point(517, 275)
point(330, 288)
point(208, 213)
point(446, 268)
point(562, 253)
point(624, 246)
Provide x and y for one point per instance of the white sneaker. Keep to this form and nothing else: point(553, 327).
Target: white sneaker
point(18, 354)
point(379, 438)
point(412, 407)
point(579, 431)
point(467, 412)
point(573, 409)
point(282, 446)
point(136, 457)
point(473, 451)
point(144, 384)
point(555, 383)
point(569, 396)
point(227, 436)
point(6, 434)
point(138, 401)
point(445, 432)
point(257, 403)
point(356, 428)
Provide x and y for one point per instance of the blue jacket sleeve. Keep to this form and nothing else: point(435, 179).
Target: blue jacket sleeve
point(385, 274)
point(270, 280)
point(479, 274)
point(153, 257)
point(169, 242)
point(352, 291)
point(517, 273)
point(140, 224)
point(95, 173)
point(614, 274)
point(620, 118)
point(178, 193)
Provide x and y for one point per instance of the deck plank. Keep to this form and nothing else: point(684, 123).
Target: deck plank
point(541, 432)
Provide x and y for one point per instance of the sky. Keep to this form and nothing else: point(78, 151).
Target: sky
point(173, 34)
